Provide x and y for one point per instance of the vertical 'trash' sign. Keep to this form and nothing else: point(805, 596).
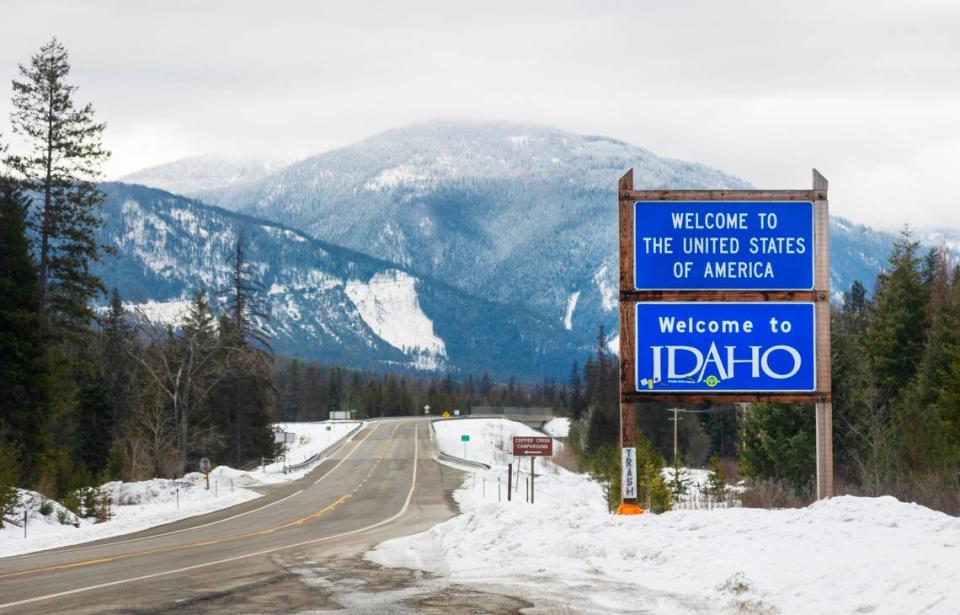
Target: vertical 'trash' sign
point(628, 480)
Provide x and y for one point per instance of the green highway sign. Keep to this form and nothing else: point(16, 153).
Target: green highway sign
point(464, 438)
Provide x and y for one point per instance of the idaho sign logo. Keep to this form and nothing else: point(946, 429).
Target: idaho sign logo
point(735, 347)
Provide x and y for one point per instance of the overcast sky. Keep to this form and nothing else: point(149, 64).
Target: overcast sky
point(867, 92)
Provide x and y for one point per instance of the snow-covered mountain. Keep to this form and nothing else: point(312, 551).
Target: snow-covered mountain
point(328, 303)
point(198, 175)
point(519, 214)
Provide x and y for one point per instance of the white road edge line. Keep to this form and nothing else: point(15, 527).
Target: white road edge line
point(203, 525)
point(406, 505)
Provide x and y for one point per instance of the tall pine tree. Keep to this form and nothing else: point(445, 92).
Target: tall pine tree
point(60, 165)
point(895, 335)
point(243, 401)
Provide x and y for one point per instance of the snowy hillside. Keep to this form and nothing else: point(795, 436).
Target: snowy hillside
point(197, 175)
point(327, 303)
point(520, 214)
point(516, 213)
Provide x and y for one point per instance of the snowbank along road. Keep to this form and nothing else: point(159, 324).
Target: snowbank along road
point(273, 554)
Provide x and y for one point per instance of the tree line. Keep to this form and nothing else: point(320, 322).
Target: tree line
point(896, 390)
point(308, 391)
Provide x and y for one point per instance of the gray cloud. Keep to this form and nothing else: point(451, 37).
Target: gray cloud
point(866, 91)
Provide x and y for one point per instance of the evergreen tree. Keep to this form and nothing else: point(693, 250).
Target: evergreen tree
point(778, 441)
point(292, 394)
point(94, 419)
point(895, 334)
point(61, 164)
point(22, 417)
point(604, 382)
point(919, 423)
point(241, 402)
point(335, 391)
point(391, 396)
point(314, 401)
point(486, 388)
point(118, 341)
point(577, 403)
point(603, 428)
point(245, 300)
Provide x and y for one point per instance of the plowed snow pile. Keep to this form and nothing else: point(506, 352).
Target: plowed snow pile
point(845, 555)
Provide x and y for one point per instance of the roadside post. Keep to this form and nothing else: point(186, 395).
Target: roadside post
point(519, 461)
point(533, 447)
point(465, 438)
point(532, 459)
point(204, 466)
point(509, 480)
point(724, 297)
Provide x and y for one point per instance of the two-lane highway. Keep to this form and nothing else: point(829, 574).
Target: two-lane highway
point(381, 483)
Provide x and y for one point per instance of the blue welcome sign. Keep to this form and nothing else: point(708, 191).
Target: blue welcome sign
point(725, 347)
point(723, 245)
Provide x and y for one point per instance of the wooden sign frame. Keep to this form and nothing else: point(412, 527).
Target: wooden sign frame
point(820, 296)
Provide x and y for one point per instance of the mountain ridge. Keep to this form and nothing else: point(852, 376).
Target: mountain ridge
point(329, 303)
point(517, 214)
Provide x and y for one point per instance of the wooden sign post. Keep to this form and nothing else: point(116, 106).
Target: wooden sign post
point(724, 297)
point(533, 447)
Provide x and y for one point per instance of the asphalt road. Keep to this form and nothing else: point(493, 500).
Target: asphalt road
point(296, 549)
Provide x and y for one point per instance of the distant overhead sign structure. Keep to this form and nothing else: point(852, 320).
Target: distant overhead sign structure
point(532, 446)
point(723, 245)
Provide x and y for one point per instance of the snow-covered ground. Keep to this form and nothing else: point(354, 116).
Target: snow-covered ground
point(311, 439)
point(845, 555)
point(490, 439)
point(558, 427)
point(137, 506)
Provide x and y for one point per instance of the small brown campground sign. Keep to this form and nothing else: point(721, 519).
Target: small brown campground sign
point(532, 446)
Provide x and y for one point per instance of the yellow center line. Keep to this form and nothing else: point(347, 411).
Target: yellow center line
point(205, 543)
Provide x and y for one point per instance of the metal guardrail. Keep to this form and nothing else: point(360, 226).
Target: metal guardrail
point(313, 458)
point(537, 411)
point(454, 458)
point(466, 462)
